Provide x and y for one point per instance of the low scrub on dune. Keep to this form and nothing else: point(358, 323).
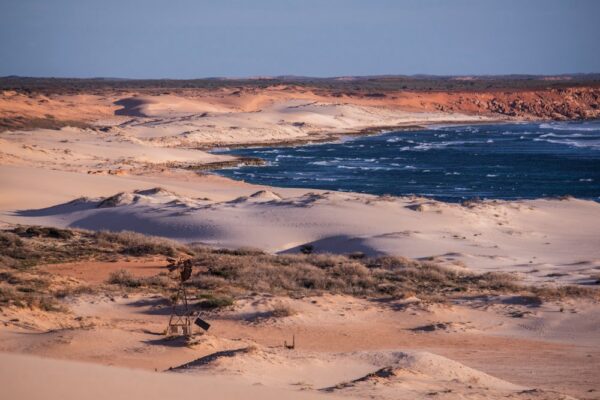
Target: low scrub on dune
point(24, 247)
point(221, 275)
point(26, 290)
point(124, 278)
point(305, 274)
point(136, 244)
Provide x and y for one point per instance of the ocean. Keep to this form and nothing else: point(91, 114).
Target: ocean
point(449, 163)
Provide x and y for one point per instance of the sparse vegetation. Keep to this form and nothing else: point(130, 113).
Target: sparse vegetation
point(211, 302)
point(281, 310)
point(25, 247)
point(124, 278)
point(304, 274)
point(221, 275)
point(23, 123)
point(136, 244)
point(31, 292)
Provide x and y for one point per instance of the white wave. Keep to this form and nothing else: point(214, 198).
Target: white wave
point(375, 169)
point(323, 163)
point(572, 135)
point(589, 127)
point(441, 145)
point(512, 133)
point(364, 168)
point(592, 144)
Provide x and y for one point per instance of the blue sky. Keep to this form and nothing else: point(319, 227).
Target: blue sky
point(194, 38)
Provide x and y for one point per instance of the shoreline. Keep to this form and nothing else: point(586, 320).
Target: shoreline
point(382, 131)
point(328, 138)
point(369, 131)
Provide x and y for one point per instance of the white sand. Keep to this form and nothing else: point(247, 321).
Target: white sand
point(532, 238)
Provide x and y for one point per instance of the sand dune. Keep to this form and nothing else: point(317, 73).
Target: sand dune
point(394, 373)
point(26, 377)
point(530, 238)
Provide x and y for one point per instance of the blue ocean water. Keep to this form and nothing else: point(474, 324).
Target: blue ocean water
point(450, 163)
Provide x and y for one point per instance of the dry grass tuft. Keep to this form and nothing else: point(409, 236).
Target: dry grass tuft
point(28, 296)
point(214, 301)
point(124, 278)
point(281, 310)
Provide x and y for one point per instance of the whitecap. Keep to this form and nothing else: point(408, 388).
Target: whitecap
point(326, 179)
point(593, 144)
point(322, 163)
point(571, 127)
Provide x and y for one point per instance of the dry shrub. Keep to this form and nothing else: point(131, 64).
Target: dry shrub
point(281, 310)
point(566, 291)
point(14, 252)
point(73, 291)
point(44, 232)
point(302, 274)
point(124, 278)
point(212, 302)
point(158, 281)
point(136, 244)
point(28, 297)
point(24, 247)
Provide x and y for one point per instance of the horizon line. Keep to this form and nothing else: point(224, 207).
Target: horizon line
point(308, 77)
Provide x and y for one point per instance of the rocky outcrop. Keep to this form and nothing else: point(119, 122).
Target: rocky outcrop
point(556, 104)
point(561, 104)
